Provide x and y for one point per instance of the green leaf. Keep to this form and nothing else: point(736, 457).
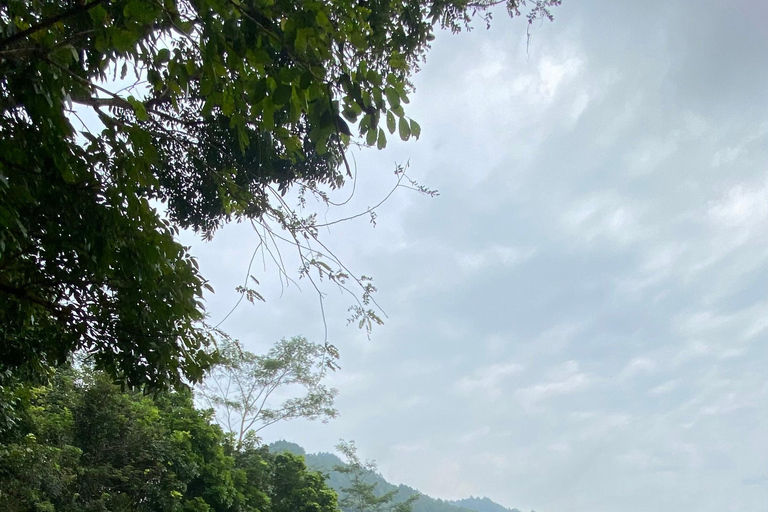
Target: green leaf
point(359, 40)
point(282, 94)
point(68, 175)
point(138, 108)
point(123, 40)
point(381, 140)
point(405, 129)
point(349, 114)
point(342, 127)
point(391, 122)
point(415, 129)
point(227, 103)
point(397, 61)
point(260, 57)
point(163, 55)
point(322, 21)
point(392, 96)
point(371, 137)
point(301, 39)
point(321, 146)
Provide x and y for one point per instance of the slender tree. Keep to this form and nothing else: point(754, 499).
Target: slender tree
point(361, 495)
point(249, 392)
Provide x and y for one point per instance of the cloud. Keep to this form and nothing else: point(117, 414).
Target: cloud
point(755, 480)
point(487, 382)
point(743, 206)
point(475, 434)
point(728, 404)
point(409, 447)
point(637, 366)
point(571, 381)
point(604, 216)
point(494, 256)
point(711, 333)
point(558, 337)
point(418, 367)
point(665, 387)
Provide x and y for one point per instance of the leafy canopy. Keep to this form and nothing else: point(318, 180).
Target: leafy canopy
point(248, 392)
point(82, 444)
point(213, 109)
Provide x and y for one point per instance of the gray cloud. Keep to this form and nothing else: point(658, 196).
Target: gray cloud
point(579, 321)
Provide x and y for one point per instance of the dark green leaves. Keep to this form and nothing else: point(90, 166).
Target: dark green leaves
point(82, 444)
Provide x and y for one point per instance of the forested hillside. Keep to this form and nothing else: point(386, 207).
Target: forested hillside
point(327, 462)
point(481, 505)
point(79, 443)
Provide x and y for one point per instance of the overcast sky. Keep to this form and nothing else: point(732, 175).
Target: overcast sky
point(579, 322)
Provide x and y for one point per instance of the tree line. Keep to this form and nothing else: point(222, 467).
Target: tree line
point(81, 443)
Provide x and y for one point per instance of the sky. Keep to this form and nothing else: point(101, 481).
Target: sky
point(579, 321)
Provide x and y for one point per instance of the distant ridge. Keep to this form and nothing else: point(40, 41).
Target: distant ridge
point(482, 505)
point(325, 462)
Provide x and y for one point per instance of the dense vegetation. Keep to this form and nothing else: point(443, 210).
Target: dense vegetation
point(82, 444)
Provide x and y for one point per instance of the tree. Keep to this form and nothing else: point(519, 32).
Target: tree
point(297, 490)
point(83, 444)
point(213, 109)
point(361, 495)
point(241, 388)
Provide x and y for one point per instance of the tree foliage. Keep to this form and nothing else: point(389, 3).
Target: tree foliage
point(82, 444)
point(248, 392)
point(361, 494)
point(213, 109)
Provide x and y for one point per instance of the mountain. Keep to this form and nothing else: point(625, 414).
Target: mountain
point(481, 505)
point(326, 462)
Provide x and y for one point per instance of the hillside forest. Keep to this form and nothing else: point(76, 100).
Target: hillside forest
point(81, 443)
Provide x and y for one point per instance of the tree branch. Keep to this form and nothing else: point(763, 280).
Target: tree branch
point(48, 22)
point(114, 101)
